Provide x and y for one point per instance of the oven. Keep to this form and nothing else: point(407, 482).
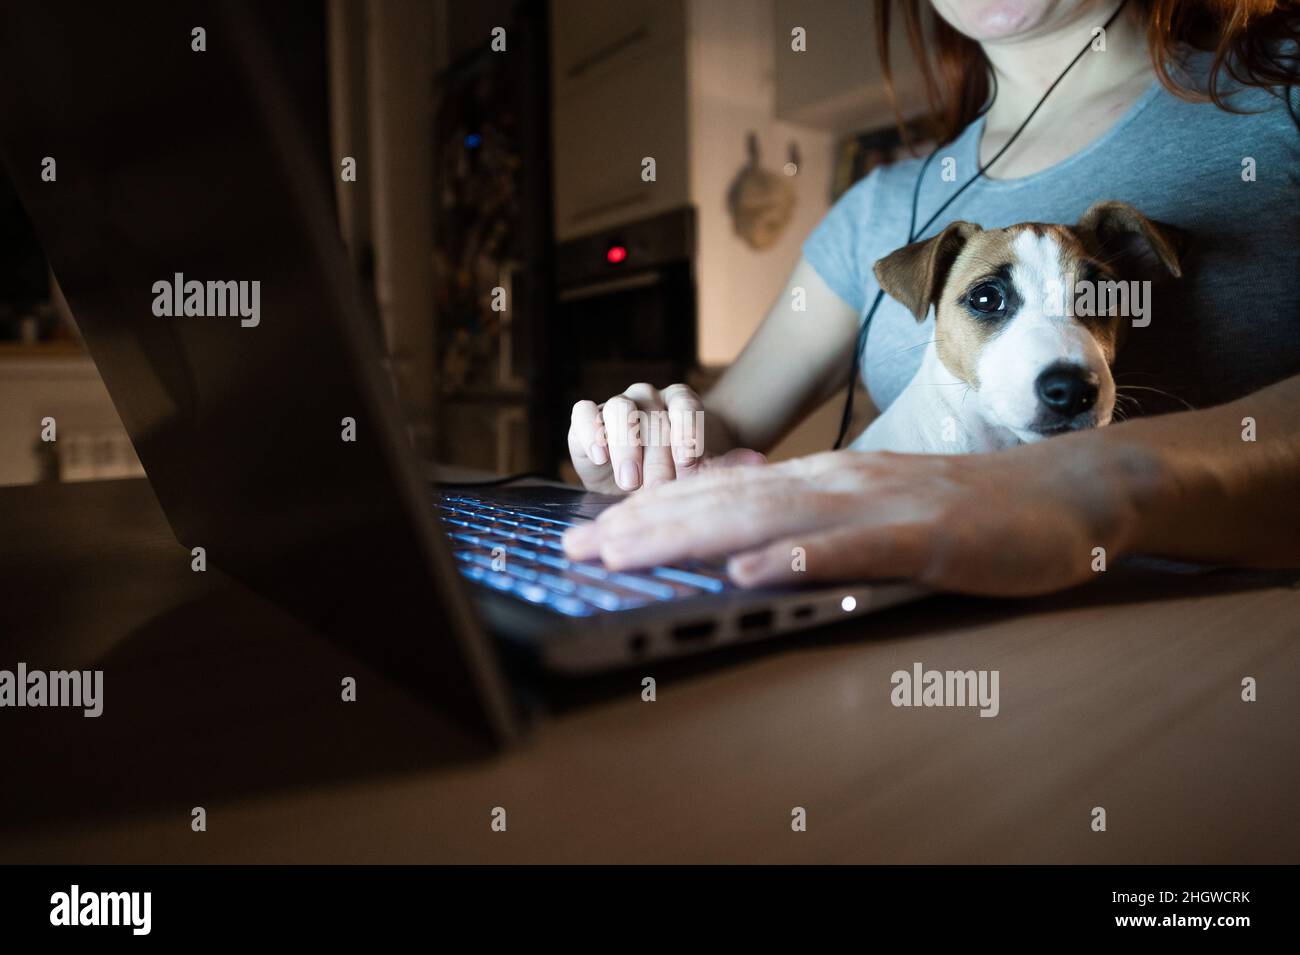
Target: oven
point(625, 310)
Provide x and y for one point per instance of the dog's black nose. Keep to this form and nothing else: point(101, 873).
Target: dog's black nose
point(1067, 390)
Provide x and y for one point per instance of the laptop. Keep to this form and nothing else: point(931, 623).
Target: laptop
point(248, 374)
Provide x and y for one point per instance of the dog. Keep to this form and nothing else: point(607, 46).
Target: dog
point(1028, 321)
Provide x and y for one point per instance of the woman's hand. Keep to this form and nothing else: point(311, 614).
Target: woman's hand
point(646, 437)
point(1023, 521)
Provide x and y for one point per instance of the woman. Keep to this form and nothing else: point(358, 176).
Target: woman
point(1184, 115)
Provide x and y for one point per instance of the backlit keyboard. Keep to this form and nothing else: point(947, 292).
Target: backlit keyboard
point(517, 550)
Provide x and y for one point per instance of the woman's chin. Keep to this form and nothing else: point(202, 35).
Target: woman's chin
point(1000, 19)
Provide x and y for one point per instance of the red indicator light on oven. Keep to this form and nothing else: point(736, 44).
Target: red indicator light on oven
point(615, 254)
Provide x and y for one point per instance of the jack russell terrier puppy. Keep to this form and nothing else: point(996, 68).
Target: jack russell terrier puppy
point(1028, 320)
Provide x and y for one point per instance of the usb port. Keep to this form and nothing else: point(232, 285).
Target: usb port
point(694, 632)
point(755, 620)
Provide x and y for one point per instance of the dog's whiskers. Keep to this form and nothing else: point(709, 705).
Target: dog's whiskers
point(892, 354)
point(1186, 404)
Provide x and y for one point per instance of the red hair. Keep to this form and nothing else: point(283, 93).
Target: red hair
point(1254, 43)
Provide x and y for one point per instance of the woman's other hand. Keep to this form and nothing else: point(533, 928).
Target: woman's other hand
point(1026, 521)
point(646, 437)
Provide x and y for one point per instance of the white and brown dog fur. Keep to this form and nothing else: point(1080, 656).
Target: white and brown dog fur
point(1007, 365)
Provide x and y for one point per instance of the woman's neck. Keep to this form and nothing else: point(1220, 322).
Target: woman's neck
point(1027, 66)
point(1095, 94)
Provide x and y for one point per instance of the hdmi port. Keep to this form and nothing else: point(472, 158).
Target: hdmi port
point(694, 632)
point(755, 620)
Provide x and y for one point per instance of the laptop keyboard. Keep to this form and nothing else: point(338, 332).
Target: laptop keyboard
point(517, 550)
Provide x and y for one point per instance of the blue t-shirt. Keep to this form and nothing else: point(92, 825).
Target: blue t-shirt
point(1230, 326)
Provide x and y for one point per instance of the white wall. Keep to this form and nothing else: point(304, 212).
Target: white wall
point(835, 82)
point(733, 91)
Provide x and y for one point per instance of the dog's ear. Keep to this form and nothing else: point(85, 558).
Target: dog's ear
point(914, 274)
point(1116, 232)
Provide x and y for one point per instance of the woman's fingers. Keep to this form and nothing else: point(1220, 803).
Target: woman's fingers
point(866, 552)
point(783, 523)
point(725, 473)
point(735, 458)
point(686, 428)
point(718, 518)
point(641, 439)
point(644, 438)
point(587, 447)
point(599, 447)
point(590, 431)
point(624, 441)
point(654, 435)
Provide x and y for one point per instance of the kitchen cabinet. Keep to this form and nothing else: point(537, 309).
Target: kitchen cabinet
point(619, 81)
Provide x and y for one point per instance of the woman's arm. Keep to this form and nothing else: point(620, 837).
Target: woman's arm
point(794, 362)
point(1212, 494)
point(1023, 521)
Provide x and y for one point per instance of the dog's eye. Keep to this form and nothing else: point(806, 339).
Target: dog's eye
point(986, 298)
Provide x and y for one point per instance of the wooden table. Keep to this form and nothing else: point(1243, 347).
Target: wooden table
point(1125, 694)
